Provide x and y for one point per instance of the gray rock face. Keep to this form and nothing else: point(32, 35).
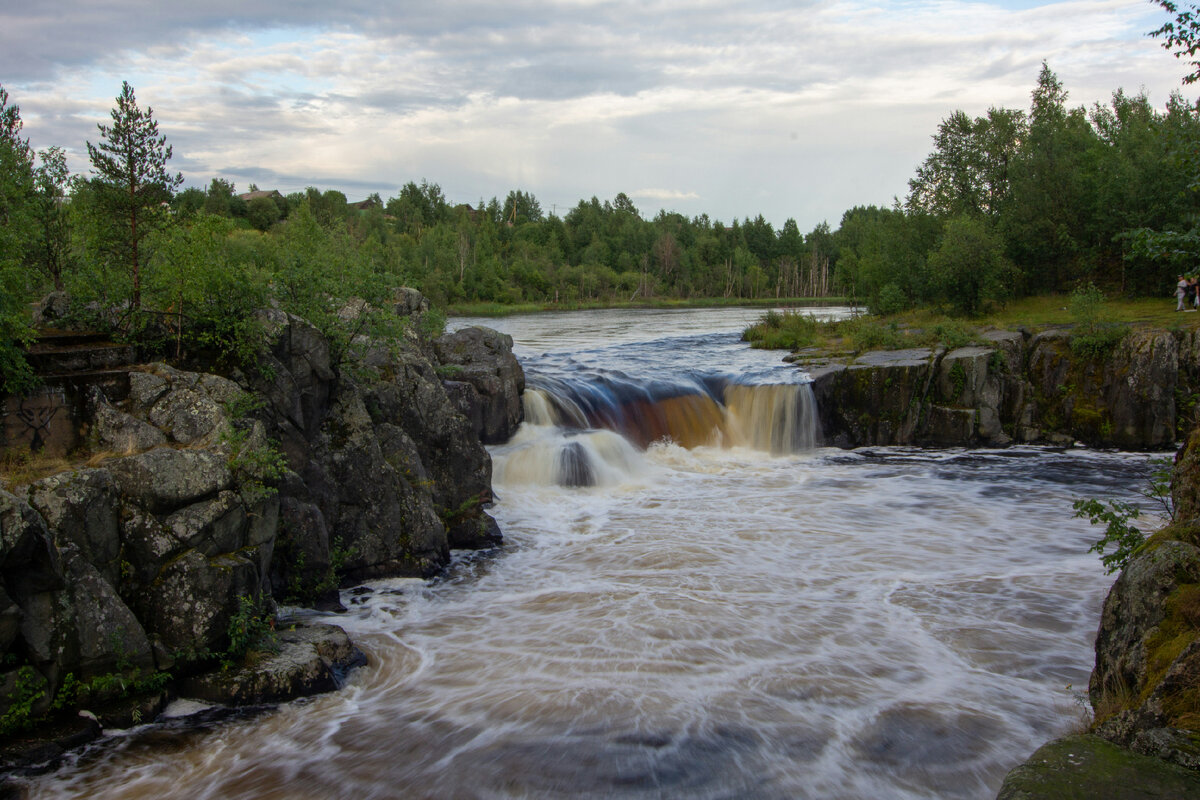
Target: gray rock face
point(189, 604)
point(165, 479)
point(487, 380)
point(384, 463)
point(1134, 607)
point(1018, 388)
point(142, 562)
point(81, 507)
point(120, 432)
point(57, 608)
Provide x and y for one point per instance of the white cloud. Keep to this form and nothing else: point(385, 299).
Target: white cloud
point(664, 194)
point(785, 110)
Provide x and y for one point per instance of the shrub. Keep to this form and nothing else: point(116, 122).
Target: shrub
point(891, 300)
point(252, 627)
point(1123, 536)
point(789, 330)
point(1092, 338)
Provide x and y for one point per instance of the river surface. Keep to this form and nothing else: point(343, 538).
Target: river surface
point(745, 617)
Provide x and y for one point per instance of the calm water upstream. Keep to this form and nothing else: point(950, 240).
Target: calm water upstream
point(744, 617)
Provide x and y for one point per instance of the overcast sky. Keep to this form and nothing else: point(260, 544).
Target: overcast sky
point(799, 109)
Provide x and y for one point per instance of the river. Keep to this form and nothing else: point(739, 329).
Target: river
point(748, 616)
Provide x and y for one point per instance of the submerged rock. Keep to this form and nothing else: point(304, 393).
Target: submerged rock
point(310, 658)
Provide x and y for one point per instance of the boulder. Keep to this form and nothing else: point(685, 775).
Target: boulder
point(189, 407)
point(482, 359)
point(303, 660)
point(166, 479)
point(188, 606)
point(70, 618)
point(52, 308)
point(295, 376)
point(120, 432)
point(82, 507)
point(385, 525)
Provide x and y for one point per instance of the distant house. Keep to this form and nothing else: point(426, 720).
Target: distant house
point(365, 205)
point(272, 194)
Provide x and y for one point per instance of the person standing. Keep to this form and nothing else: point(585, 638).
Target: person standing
point(1180, 292)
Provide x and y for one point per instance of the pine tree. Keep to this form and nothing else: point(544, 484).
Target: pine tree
point(131, 181)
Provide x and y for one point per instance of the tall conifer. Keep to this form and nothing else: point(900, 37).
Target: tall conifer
point(131, 181)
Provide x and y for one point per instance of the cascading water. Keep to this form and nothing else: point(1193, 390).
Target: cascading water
point(584, 435)
point(574, 405)
point(696, 606)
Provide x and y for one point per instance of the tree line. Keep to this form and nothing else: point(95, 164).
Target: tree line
point(1008, 203)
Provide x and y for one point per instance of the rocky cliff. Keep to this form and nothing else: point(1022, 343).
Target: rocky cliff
point(1145, 687)
point(1017, 388)
point(204, 498)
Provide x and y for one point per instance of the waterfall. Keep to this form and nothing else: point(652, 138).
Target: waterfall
point(589, 432)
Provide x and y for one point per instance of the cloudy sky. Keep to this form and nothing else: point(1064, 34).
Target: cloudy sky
point(789, 109)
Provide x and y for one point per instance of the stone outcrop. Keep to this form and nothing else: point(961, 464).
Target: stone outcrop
point(1145, 686)
point(304, 659)
point(314, 469)
point(1091, 768)
point(1018, 388)
point(484, 379)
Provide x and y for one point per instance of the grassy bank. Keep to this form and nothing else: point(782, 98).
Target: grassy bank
point(504, 310)
point(928, 328)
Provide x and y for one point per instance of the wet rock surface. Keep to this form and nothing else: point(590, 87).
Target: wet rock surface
point(1091, 768)
point(307, 659)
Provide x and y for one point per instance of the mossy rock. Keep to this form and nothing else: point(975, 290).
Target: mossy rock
point(1091, 768)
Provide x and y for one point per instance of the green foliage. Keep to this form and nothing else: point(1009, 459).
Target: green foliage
point(51, 255)
point(891, 300)
point(206, 287)
point(1182, 35)
point(1007, 202)
point(968, 272)
point(252, 627)
point(244, 404)
point(1099, 345)
point(30, 687)
point(432, 323)
point(950, 334)
point(867, 333)
point(1124, 537)
point(18, 235)
point(131, 183)
point(467, 508)
point(1087, 305)
point(789, 330)
point(1093, 339)
point(256, 467)
point(958, 379)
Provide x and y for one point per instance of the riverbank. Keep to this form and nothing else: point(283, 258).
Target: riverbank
point(510, 309)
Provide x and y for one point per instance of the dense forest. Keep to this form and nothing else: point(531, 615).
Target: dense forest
point(1010, 203)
